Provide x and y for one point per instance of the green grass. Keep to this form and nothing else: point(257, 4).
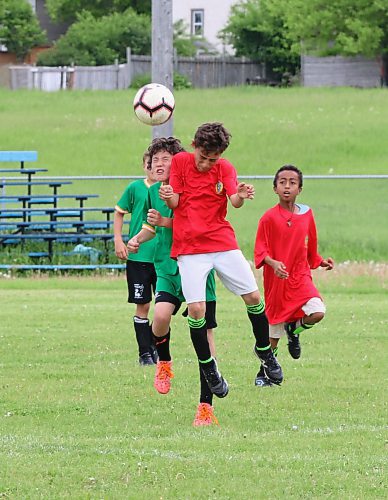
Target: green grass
point(96, 133)
point(80, 419)
point(323, 131)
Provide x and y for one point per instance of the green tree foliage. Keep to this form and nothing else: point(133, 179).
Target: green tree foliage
point(183, 42)
point(345, 27)
point(93, 42)
point(258, 30)
point(19, 27)
point(68, 10)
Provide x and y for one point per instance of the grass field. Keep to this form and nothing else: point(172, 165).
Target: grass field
point(323, 131)
point(80, 419)
point(96, 133)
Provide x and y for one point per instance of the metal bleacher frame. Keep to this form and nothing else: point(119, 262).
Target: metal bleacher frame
point(16, 224)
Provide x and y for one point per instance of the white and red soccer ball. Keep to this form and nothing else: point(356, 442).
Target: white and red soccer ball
point(154, 104)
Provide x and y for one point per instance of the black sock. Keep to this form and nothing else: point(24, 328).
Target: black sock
point(162, 345)
point(142, 331)
point(260, 326)
point(198, 333)
point(151, 337)
point(206, 395)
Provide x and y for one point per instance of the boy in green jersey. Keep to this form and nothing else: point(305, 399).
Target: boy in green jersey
point(168, 295)
point(140, 270)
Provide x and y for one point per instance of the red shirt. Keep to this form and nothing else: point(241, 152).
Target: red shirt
point(199, 219)
point(296, 246)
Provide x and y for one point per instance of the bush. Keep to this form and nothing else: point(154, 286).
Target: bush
point(180, 81)
point(19, 27)
point(94, 42)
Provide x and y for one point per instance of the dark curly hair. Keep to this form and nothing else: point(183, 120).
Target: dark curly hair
point(169, 144)
point(212, 137)
point(293, 169)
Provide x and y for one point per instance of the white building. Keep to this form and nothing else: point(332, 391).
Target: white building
point(205, 18)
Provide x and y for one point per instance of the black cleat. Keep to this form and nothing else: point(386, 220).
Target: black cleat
point(294, 347)
point(271, 367)
point(217, 384)
point(146, 359)
point(262, 380)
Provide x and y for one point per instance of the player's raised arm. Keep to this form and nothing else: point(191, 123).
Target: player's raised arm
point(155, 218)
point(167, 194)
point(244, 192)
point(141, 237)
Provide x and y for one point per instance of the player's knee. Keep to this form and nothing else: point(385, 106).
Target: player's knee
point(197, 310)
point(142, 310)
point(252, 298)
point(316, 317)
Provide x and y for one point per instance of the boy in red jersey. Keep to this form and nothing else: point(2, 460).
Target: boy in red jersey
point(200, 185)
point(168, 296)
point(286, 245)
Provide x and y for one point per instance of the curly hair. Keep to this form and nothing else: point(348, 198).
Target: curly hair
point(169, 144)
point(293, 169)
point(212, 137)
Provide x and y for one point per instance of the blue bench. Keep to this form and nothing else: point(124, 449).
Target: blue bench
point(20, 156)
point(57, 224)
point(61, 267)
point(56, 237)
point(55, 185)
point(45, 199)
point(53, 213)
point(24, 171)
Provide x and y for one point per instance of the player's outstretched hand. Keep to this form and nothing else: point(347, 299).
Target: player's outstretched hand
point(165, 192)
point(121, 250)
point(245, 191)
point(133, 245)
point(153, 217)
point(328, 263)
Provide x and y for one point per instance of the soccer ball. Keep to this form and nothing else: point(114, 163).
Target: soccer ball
point(154, 104)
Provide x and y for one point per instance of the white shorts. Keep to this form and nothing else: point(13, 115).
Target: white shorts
point(231, 267)
point(312, 306)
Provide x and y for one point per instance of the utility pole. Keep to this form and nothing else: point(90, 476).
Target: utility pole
point(162, 55)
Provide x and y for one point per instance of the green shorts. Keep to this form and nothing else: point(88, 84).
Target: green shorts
point(171, 283)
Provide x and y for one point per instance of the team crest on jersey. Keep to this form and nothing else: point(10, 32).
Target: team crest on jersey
point(219, 187)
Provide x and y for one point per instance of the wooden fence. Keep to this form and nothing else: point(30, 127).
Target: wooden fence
point(338, 71)
point(202, 72)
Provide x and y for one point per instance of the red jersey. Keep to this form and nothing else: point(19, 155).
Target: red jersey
point(199, 219)
point(292, 241)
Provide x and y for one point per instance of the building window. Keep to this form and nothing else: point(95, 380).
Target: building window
point(197, 17)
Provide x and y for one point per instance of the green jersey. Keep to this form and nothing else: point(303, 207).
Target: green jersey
point(132, 202)
point(166, 268)
point(163, 263)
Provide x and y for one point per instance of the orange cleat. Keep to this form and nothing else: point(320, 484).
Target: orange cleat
point(163, 376)
point(205, 415)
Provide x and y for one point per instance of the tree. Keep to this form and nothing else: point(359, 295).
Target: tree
point(68, 10)
point(257, 30)
point(338, 27)
point(19, 27)
point(92, 42)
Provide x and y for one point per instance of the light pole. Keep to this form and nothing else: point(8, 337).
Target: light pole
point(162, 55)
